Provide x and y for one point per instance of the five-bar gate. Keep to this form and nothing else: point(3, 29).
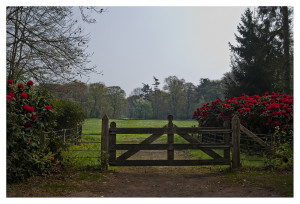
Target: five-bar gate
point(109, 146)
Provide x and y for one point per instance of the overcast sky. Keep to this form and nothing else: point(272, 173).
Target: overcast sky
point(133, 44)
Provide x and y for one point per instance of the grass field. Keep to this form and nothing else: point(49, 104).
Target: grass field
point(91, 133)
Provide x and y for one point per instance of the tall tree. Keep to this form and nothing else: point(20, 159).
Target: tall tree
point(98, 100)
point(176, 90)
point(249, 62)
point(156, 98)
point(45, 44)
point(117, 100)
point(191, 98)
point(146, 91)
point(278, 21)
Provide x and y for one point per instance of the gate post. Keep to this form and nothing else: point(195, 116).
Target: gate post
point(235, 125)
point(104, 142)
point(170, 138)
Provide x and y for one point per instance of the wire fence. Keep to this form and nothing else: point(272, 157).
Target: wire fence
point(252, 153)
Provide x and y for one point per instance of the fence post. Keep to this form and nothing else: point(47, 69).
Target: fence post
point(170, 138)
point(235, 125)
point(226, 125)
point(104, 142)
point(112, 142)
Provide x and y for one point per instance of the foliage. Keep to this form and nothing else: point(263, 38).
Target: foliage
point(68, 115)
point(28, 114)
point(177, 95)
point(94, 99)
point(46, 43)
point(142, 108)
point(117, 100)
point(282, 158)
point(260, 114)
point(262, 58)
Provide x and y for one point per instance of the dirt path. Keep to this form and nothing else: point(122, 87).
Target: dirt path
point(170, 182)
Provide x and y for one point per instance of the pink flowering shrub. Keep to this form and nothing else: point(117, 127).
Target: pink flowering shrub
point(260, 114)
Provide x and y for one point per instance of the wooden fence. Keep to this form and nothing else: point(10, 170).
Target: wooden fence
point(109, 146)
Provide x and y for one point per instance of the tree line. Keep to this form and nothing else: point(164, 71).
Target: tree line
point(177, 97)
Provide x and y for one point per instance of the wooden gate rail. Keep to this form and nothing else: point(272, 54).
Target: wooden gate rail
point(109, 146)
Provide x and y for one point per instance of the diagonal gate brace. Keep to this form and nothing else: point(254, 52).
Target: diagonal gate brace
point(190, 139)
point(148, 140)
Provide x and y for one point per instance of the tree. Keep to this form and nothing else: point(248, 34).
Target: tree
point(156, 98)
point(146, 91)
point(142, 109)
point(249, 62)
point(262, 61)
point(191, 98)
point(117, 100)
point(177, 95)
point(137, 92)
point(277, 21)
point(98, 99)
point(209, 90)
point(45, 44)
point(131, 106)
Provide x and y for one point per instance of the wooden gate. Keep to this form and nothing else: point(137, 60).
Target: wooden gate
point(109, 146)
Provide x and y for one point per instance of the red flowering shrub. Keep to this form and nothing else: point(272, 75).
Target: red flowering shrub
point(26, 118)
point(258, 113)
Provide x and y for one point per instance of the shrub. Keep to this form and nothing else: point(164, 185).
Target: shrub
point(282, 157)
point(68, 115)
point(28, 114)
point(260, 114)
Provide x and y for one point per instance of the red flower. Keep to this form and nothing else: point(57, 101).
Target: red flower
point(10, 81)
point(48, 107)
point(11, 94)
point(27, 125)
point(9, 98)
point(20, 86)
point(34, 117)
point(24, 95)
point(30, 83)
point(51, 159)
point(30, 141)
point(28, 108)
